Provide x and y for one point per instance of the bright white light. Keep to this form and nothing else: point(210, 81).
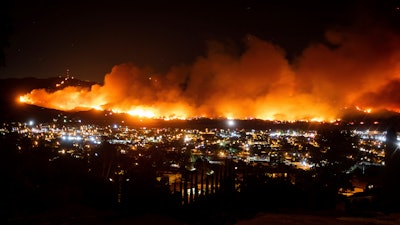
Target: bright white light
point(231, 123)
point(187, 139)
point(31, 122)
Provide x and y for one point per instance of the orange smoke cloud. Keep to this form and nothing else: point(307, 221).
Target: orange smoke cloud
point(361, 67)
point(356, 67)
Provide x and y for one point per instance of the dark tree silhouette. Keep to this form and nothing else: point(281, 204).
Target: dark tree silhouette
point(333, 158)
point(337, 147)
point(391, 182)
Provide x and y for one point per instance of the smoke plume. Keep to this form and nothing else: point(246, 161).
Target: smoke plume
point(357, 67)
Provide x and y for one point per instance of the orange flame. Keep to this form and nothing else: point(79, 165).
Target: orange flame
point(260, 83)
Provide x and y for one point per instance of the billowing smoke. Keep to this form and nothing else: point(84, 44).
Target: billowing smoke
point(358, 67)
point(386, 97)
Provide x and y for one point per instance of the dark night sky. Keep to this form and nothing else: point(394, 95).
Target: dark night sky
point(90, 37)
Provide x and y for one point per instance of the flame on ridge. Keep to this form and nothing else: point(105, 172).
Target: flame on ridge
point(362, 70)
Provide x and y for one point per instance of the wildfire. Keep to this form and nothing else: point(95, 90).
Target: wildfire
point(259, 84)
point(367, 110)
point(24, 99)
point(142, 113)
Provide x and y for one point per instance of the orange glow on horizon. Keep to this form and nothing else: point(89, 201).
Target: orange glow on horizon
point(154, 113)
point(260, 83)
point(175, 112)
